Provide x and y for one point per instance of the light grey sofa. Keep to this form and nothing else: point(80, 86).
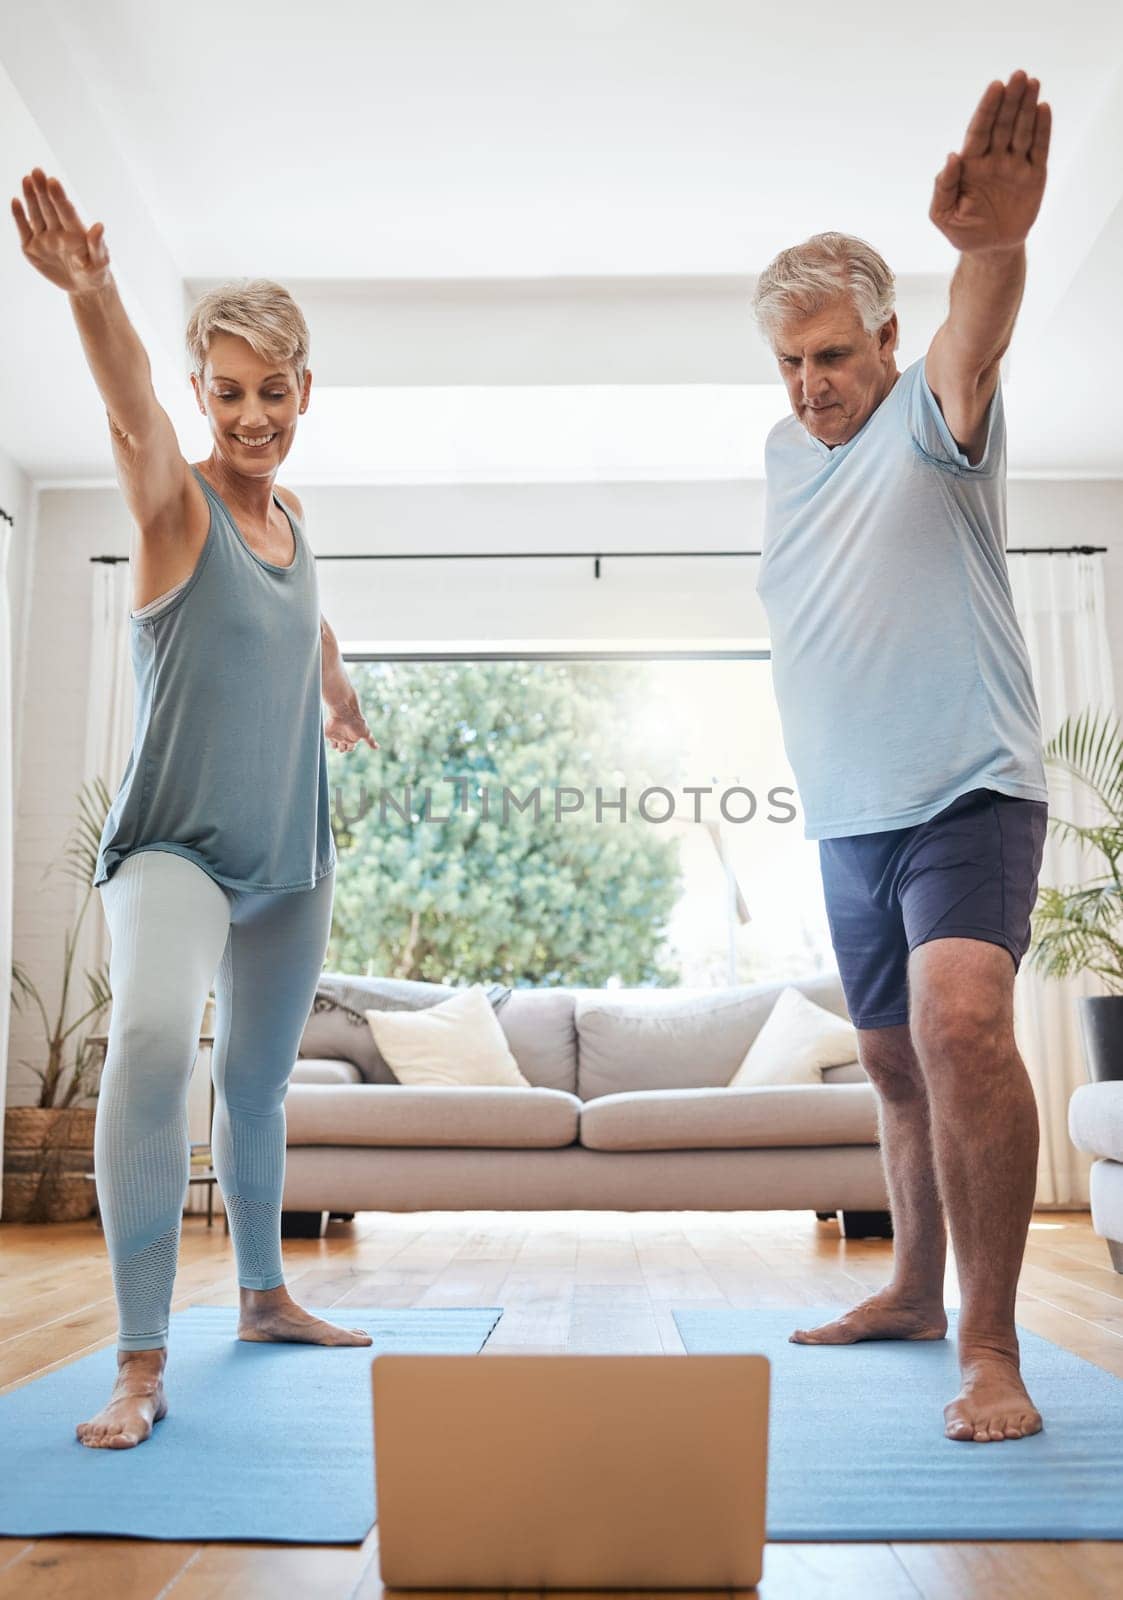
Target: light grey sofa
point(629, 1110)
point(1095, 1124)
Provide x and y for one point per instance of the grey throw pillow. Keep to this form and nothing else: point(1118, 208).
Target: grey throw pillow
point(338, 1030)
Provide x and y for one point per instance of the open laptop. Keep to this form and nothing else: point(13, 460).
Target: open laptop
point(558, 1471)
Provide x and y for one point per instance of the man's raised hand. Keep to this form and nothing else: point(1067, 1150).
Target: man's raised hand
point(987, 197)
point(54, 240)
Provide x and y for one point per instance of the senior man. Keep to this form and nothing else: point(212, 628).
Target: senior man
point(911, 724)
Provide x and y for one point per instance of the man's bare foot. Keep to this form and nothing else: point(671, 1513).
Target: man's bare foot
point(272, 1316)
point(136, 1405)
point(993, 1403)
point(884, 1315)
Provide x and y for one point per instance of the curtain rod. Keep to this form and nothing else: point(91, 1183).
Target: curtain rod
point(597, 556)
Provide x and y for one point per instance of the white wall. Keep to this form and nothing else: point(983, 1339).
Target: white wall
point(18, 499)
point(485, 600)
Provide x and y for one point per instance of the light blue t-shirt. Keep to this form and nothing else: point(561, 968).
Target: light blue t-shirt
point(900, 671)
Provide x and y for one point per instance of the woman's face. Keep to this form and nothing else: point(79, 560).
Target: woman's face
point(252, 405)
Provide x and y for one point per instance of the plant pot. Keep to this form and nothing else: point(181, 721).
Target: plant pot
point(1101, 1028)
point(46, 1156)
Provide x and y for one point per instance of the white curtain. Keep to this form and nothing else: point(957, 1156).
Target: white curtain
point(1060, 606)
point(7, 855)
point(109, 737)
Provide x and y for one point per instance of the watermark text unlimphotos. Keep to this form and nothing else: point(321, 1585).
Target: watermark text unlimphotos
point(417, 803)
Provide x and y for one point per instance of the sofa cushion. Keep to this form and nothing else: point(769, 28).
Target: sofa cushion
point(458, 1041)
point(679, 1038)
point(542, 1034)
point(852, 1072)
point(329, 1071)
point(338, 1029)
point(1095, 1119)
point(435, 1115)
point(732, 1119)
point(798, 1040)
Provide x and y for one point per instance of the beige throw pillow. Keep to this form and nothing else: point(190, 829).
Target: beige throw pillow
point(458, 1041)
point(796, 1042)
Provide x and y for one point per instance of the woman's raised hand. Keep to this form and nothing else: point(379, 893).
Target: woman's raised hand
point(53, 239)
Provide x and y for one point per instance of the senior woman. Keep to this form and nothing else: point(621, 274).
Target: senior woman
point(216, 862)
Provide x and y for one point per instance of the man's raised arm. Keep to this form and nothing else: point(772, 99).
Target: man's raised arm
point(985, 201)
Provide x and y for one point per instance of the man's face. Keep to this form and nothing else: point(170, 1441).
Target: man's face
point(835, 372)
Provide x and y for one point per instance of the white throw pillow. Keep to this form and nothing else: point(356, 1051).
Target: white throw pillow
point(456, 1042)
point(797, 1041)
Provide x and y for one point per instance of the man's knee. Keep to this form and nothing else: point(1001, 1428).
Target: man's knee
point(890, 1062)
point(964, 1025)
point(961, 1003)
point(961, 1036)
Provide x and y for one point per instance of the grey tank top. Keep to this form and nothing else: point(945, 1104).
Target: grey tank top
point(228, 766)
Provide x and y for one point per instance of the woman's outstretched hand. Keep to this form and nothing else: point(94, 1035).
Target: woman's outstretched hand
point(345, 726)
point(988, 196)
point(54, 240)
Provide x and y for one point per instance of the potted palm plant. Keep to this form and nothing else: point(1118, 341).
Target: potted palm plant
point(1080, 929)
point(48, 1147)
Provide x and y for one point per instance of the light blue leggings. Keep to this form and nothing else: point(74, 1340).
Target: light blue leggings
point(173, 932)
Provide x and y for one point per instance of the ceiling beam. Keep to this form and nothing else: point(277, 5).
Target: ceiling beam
point(555, 332)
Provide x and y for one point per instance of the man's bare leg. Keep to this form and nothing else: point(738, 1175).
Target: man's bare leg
point(136, 1405)
point(985, 1137)
point(911, 1306)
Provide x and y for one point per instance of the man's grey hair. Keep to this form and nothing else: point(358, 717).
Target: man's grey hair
point(802, 280)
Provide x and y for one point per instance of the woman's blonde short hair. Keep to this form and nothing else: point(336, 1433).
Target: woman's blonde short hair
point(259, 311)
point(802, 280)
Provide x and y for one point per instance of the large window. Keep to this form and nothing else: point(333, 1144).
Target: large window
point(576, 821)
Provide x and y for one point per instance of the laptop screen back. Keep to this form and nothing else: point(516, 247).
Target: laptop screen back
point(569, 1471)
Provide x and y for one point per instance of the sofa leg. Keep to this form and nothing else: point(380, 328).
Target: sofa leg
point(1115, 1247)
point(867, 1225)
point(826, 1216)
point(302, 1224)
point(341, 1216)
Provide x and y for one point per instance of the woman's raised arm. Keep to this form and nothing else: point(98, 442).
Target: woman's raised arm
point(150, 465)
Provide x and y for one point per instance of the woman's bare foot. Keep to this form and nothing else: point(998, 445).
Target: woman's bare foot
point(993, 1403)
point(136, 1405)
point(272, 1316)
point(885, 1315)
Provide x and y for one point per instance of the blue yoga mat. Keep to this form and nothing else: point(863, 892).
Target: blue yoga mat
point(261, 1441)
point(857, 1450)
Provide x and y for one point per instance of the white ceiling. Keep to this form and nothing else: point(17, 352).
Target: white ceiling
point(650, 144)
point(524, 138)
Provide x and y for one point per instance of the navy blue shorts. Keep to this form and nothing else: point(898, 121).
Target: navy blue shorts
point(970, 872)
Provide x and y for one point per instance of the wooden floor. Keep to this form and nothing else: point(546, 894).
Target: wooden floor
point(583, 1281)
